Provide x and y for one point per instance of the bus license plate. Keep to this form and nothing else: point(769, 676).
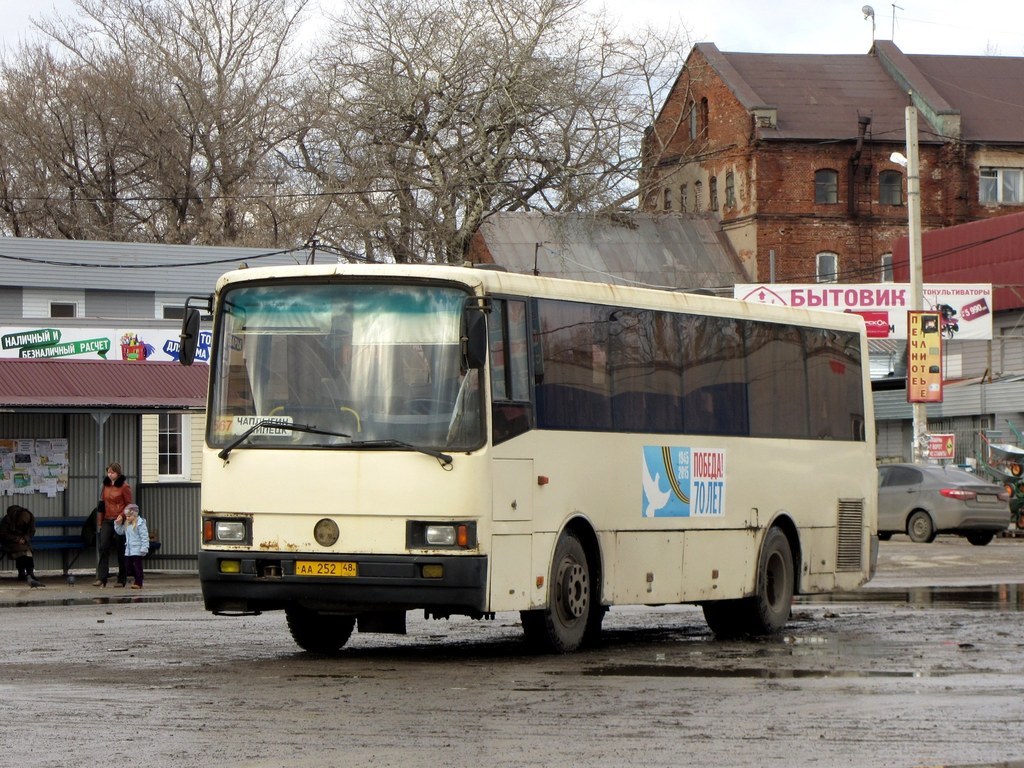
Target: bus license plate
point(325, 568)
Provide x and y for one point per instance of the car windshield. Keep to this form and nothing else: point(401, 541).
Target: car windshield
point(375, 364)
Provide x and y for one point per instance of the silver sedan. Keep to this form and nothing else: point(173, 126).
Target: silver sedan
point(923, 500)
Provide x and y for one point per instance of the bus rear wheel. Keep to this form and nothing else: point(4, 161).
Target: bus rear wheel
point(767, 610)
point(570, 614)
point(319, 632)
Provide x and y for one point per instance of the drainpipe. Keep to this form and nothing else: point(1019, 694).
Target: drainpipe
point(863, 121)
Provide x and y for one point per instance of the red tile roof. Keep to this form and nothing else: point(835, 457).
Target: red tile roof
point(101, 385)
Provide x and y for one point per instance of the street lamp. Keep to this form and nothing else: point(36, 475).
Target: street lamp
point(912, 164)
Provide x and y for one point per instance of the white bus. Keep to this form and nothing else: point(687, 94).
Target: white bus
point(464, 441)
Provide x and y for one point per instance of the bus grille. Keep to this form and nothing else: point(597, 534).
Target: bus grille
point(849, 540)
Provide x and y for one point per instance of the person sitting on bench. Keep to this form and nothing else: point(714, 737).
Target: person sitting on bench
point(16, 532)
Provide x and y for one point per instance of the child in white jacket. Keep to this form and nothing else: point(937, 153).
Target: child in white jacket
point(136, 541)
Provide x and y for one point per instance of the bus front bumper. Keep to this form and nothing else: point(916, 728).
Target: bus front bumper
point(238, 583)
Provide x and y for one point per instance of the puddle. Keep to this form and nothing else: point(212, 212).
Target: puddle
point(126, 600)
point(1001, 597)
point(755, 673)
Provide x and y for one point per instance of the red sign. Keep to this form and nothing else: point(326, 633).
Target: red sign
point(876, 323)
point(942, 446)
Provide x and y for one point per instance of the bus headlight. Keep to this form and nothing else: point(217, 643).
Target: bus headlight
point(229, 530)
point(440, 535)
point(434, 535)
point(233, 530)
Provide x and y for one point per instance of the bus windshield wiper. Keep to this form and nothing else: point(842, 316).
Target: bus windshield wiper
point(223, 453)
point(444, 458)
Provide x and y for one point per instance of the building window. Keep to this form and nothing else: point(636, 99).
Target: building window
point(827, 270)
point(826, 186)
point(684, 198)
point(890, 188)
point(693, 121)
point(667, 199)
point(704, 127)
point(1001, 185)
point(172, 446)
point(730, 190)
point(173, 313)
point(714, 193)
point(63, 309)
point(698, 190)
point(886, 275)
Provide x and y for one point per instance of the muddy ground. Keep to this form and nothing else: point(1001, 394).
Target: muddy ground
point(922, 668)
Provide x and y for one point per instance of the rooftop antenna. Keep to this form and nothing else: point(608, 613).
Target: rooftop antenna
point(894, 8)
point(869, 13)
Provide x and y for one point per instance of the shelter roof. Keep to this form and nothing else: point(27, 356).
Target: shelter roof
point(91, 385)
point(99, 265)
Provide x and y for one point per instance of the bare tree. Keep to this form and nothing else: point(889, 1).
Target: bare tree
point(167, 117)
point(427, 116)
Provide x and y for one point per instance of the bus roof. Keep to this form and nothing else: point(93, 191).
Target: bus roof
point(497, 281)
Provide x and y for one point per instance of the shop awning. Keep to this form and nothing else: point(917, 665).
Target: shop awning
point(92, 385)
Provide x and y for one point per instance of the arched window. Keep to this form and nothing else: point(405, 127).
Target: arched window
point(890, 188)
point(827, 267)
point(667, 199)
point(826, 186)
point(693, 121)
point(714, 193)
point(730, 190)
point(698, 190)
point(684, 198)
point(704, 127)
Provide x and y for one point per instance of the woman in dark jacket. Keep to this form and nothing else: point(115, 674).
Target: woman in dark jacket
point(16, 532)
point(117, 495)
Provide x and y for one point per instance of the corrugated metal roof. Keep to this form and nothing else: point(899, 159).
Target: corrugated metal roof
point(101, 385)
point(649, 250)
point(987, 251)
point(89, 264)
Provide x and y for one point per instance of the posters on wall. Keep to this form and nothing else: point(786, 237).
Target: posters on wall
point(33, 466)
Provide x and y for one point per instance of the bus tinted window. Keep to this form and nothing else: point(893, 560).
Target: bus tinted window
point(714, 376)
point(632, 370)
point(776, 380)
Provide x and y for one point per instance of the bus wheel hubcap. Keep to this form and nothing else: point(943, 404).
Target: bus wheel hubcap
point(574, 589)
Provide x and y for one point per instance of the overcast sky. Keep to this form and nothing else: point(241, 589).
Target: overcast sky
point(962, 27)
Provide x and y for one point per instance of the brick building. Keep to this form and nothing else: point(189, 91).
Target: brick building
point(792, 152)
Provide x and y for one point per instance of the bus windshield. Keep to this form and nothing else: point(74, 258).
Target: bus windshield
point(378, 365)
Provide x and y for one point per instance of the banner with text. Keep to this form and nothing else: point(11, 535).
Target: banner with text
point(138, 344)
point(965, 308)
point(924, 357)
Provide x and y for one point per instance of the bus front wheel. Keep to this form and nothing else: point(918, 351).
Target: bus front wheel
point(563, 625)
point(768, 609)
point(319, 632)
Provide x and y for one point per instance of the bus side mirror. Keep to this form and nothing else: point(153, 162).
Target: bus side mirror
point(474, 341)
point(189, 339)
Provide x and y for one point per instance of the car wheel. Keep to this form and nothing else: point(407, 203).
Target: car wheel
point(920, 528)
point(980, 538)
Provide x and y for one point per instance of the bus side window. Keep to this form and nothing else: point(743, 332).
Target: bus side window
point(511, 412)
